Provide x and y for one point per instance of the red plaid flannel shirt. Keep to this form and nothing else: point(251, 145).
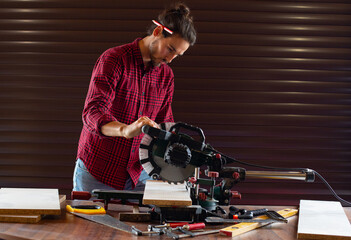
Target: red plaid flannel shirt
point(122, 89)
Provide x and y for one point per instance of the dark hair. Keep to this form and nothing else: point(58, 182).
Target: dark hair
point(177, 18)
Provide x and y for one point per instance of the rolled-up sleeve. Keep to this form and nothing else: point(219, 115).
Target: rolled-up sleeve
point(101, 93)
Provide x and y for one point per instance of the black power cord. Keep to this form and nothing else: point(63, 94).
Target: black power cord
point(342, 201)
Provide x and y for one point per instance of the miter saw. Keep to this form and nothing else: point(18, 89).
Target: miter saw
point(175, 153)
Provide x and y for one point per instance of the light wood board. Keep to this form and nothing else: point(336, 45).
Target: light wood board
point(29, 201)
point(161, 193)
point(20, 218)
point(322, 220)
point(28, 218)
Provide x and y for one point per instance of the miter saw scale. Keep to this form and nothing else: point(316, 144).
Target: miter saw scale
point(173, 155)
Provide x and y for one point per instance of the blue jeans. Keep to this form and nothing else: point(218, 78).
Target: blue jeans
point(84, 181)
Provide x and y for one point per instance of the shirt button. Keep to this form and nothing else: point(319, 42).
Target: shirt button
point(133, 151)
point(141, 113)
point(143, 93)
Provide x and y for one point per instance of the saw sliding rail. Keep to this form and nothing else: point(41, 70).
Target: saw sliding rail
point(307, 176)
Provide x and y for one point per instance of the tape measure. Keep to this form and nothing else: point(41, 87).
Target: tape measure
point(240, 228)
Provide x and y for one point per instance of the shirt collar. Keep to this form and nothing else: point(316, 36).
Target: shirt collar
point(137, 52)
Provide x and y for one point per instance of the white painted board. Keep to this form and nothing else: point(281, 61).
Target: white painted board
point(161, 193)
point(322, 220)
point(29, 201)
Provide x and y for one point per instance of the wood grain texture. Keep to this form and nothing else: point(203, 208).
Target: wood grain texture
point(161, 193)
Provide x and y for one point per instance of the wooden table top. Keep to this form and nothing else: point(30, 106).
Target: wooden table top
point(68, 226)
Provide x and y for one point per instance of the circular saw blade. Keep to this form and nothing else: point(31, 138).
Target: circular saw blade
point(154, 164)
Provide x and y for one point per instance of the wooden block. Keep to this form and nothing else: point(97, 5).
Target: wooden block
point(135, 216)
point(161, 193)
point(322, 220)
point(62, 199)
point(20, 218)
point(241, 228)
point(29, 201)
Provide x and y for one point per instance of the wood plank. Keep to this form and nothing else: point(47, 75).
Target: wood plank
point(28, 218)
point(29, 201)
point(322, 220)
point(161, 193)
point(20, 218)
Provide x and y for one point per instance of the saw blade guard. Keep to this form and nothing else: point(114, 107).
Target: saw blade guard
point(163, 158)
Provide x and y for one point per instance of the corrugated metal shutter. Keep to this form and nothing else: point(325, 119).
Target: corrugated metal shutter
point(268, 81)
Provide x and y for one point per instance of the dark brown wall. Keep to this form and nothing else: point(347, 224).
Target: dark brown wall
point(268, 81)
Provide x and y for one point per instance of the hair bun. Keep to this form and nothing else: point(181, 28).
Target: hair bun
point(182, 9)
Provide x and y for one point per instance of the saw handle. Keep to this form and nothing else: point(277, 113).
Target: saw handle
point(81, 195)
point(198, 130)
point(86, 209)
point(259, 212)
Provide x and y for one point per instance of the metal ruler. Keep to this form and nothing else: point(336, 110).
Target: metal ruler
point(240, 228)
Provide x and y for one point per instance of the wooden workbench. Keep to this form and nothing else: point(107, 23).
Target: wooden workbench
point(68, 226)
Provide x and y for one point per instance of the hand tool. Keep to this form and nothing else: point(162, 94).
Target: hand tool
point(95, 215)
point(171, 234)
point(166, 228)
point(86, 209)
point(151, 231)
point(274, 215)
point(171, 225)
point(245, 227)
point(183, 227)
point(195, 234)
point(235, 213)
point(186, 229)
point(192, 226)
point(217, 220)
